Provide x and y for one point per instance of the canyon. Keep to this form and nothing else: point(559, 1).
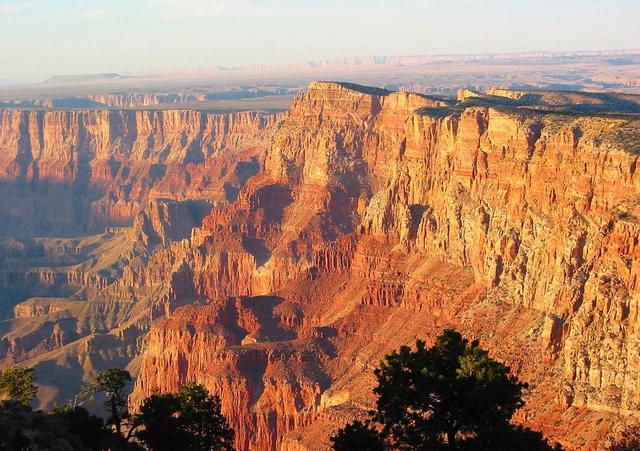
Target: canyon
point(276, 258)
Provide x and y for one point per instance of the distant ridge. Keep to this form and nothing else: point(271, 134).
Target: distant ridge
point(83, 78)
point(626, 57)
point(421, 60)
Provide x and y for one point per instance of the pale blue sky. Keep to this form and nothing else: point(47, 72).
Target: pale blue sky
point(39, 38)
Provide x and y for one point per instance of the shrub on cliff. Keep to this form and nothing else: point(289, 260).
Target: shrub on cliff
point(452, 396)
point(189, 420)
point(21, 428)
point(16, 383)
point(63, 429)
point(358, 435)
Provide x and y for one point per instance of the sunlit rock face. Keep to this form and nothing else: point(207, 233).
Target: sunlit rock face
point(65, 172)
point(276, 259)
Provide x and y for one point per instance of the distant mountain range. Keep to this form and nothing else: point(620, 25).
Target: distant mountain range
point(618, 57)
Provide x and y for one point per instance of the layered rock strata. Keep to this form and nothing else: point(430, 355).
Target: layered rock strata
point(358, 222)
point(380, 217)
point(66, 172)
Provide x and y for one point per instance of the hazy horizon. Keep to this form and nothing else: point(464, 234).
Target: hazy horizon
point(44, 38)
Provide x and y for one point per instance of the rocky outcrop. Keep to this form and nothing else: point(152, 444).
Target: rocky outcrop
point(121, 100)
point(245, 351)
point(166, 220)
point(35, 307)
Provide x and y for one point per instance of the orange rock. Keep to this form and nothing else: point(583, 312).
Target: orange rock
point(358, 222)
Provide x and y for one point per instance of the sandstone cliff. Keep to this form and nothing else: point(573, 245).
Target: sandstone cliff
point(121, 100)
point(65, 172)
point(360, 221)
point(380, 217)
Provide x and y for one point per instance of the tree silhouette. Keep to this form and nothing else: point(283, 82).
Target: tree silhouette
point(68, 428)
point(190, 420)
point(63, 429)
point(358, 435)
point(112, 383)
point(88, 428)
point(201, 418)
point(159, 418)
point(452, 395)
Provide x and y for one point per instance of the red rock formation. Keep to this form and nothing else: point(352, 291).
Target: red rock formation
point(372, 219)
point(369, 194)
point(84, 170)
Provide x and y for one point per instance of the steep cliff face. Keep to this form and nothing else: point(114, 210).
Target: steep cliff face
point(121, 100)
point(380, 217)
point(276, 259)
point(125, 100)
point(79, 171)
point(244, 350)
point(65, 173)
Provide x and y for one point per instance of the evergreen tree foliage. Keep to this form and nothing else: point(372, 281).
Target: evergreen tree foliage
point(450, 396)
